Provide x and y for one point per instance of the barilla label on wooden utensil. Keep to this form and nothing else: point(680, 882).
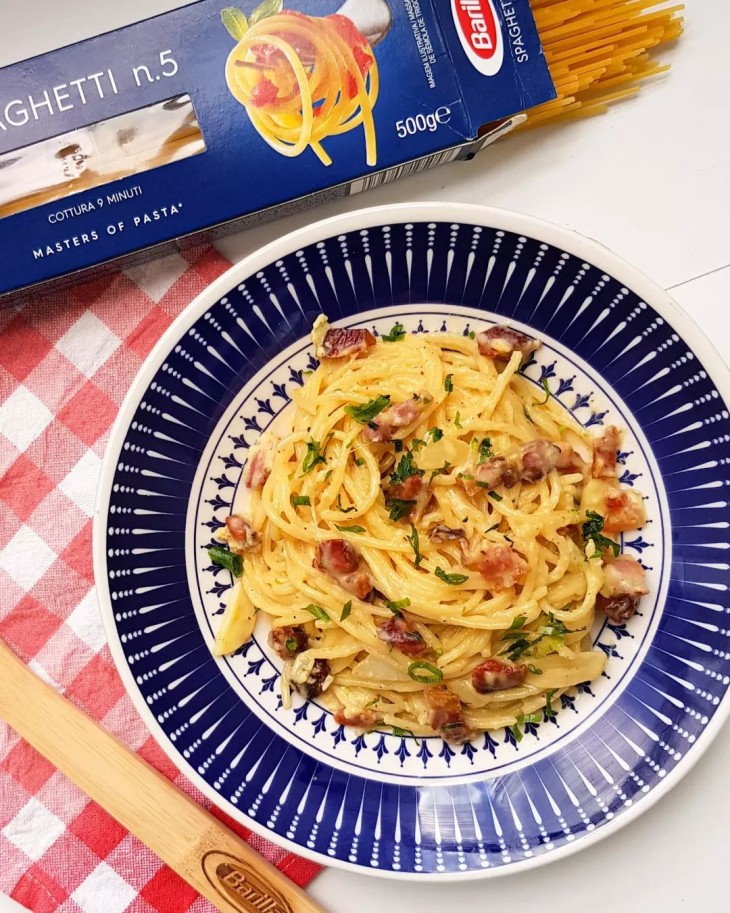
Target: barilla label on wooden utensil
point(242, 886)
point(214, 117)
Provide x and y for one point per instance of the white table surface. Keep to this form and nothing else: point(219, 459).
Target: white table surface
point(652, 181)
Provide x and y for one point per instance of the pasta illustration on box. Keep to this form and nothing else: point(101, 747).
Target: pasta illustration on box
point(304, 78)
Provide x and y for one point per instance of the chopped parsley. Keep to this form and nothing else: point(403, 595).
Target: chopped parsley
point(440, 472)
point(414, 542)
point(291, 644)
point(533, 669)
point(318, 612)
point(449, 383)
point(548, 393)
point(328, 474)
point(518, 622)
point(485, 451)
point(359, 462)
point(396, 334)
point(343, 510)
point(346, 609)
point(457, 421)
point(492, 528)
point(316, 454)
point(405, 469)
point(222, 557)
point(593, 532)
point(399, 508)
point(436, 434)
point(350, 529)
point(300, 501)
point(494, 495)
point(527, 415)
point(416, 444)
point(451, 579)
point(472, 334)
point(366, 412)
point(522, 719)
point(395, 607)
point(402, 732)
point(548, 710)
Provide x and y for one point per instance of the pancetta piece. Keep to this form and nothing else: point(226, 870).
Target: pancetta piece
point(342, 343)
point(625, 510)
point(569, 460)
point(537, 459)
point(499, 564)
point(443, 533)
point(605, 453)
point(502, 342)
point(288, 642)
point(495, 675)
point(624, 585)
point(415, 489)
point(260, 461)
point(446, 715)
point(360, 719)
point(319, 679)
point(240, 535)
point(384, 426)
point(399, 633)
point(492, 472)
point(341, 561)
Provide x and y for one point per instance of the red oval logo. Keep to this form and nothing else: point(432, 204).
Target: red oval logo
point(478, 24)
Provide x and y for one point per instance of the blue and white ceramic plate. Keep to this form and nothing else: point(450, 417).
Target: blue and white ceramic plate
point(616, 349)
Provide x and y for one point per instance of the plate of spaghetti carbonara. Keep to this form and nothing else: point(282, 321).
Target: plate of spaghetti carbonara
point(411, 541)
point(448, 534)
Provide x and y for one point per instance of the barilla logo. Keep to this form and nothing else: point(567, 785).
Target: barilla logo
point(481, 37)
point(241, 886)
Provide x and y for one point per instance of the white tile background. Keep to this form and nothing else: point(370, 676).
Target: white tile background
point(652, 181)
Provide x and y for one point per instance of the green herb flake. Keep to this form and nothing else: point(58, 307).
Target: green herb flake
point(399, 508)
point(300, 501)
point(315, 455)
point(222, 557)
point(396, 334)
point(593, 531)
point(343, 510)
point(318, 612)
point(527, 415)
point(449, 383)
point(457, 421)
point(403, 733)
point(346, 609)
point(414, 542)
point(425, 673)
point(472, 334)
point(548, 710)
point(366, 412)
point(398, 445)
point(440, 472)
point(493, 527)
point(548, 393)
point(516, 732)
point(436, 434)
point(533, 669)
point(485, 451)
point(451, 579)
point(359, 462)
point(494, 495)
point(395, 607)
point(405, 469)
point(518, 622)
point(351, 529)
point(328, 475)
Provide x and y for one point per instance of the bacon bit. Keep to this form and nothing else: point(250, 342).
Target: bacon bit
point(341, 343)
point(500, 565)
point(537, 459)
point(264, 93)
point(412, 489)
point(492, 472)
point(241, 536)
point(502, 342)
point(569, 460)
point(495, 675)
point(605, 453)
point(442, 533)
point(317, 681)
point(625, 510)
point(260, 461)
point(446, 715)
point(398, 632)
point(624, 585)
point(394, 419)
point(341, 561)
point(288, 642)
point(360, 719)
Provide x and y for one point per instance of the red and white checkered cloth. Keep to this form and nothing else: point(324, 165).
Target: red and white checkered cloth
point(65, 364)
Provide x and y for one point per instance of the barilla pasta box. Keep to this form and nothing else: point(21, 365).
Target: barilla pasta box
point(211, 118)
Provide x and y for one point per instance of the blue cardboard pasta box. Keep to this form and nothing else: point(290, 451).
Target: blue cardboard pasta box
point(212, 117)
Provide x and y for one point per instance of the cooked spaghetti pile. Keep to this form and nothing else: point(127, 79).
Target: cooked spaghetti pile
point(431, 537)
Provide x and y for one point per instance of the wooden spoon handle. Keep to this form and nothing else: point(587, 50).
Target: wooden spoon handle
point(217, 863)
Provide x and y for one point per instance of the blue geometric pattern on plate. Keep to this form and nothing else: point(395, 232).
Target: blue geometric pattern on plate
point(543, 800)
